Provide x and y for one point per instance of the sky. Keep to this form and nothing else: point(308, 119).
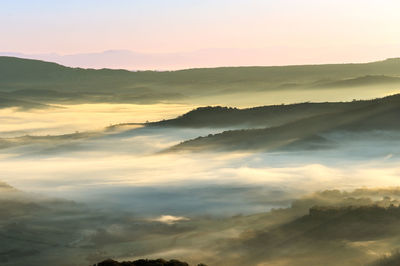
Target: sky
point(279, 31)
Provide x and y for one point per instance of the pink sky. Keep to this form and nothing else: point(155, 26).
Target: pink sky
point(254, 32)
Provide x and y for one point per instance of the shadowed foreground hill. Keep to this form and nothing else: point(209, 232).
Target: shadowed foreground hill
point(326, 228)
point(313, 238)
point(364, 116)
point(388, 260)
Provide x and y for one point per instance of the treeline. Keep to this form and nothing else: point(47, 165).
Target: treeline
point(144, 262)
point(306, 133)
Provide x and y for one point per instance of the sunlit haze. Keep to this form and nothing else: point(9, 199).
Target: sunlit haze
point(181, 34)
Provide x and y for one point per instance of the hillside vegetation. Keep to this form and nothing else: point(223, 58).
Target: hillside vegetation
point(296, 128)
point(48, 83)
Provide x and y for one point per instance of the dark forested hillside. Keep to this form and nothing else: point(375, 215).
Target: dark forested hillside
point(361, 116)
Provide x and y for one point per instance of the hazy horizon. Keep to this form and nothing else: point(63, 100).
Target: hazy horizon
point(205, 58)
point(201, 33)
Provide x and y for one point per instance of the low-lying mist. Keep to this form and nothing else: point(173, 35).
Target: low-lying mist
point(115, 192)
point(328, 227)
point(123, 167)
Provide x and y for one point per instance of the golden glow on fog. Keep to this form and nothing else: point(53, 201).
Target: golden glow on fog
point(82, 117)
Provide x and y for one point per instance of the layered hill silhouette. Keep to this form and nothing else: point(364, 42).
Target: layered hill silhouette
point(292, 125)
point(42, 82)
point(368, 80)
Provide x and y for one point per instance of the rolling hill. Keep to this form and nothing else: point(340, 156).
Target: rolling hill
point(48, 83)
point(369, 80)
point(218, 116)
point(361, 116)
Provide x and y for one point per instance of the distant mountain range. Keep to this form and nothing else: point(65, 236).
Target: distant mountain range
point(205, 58)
